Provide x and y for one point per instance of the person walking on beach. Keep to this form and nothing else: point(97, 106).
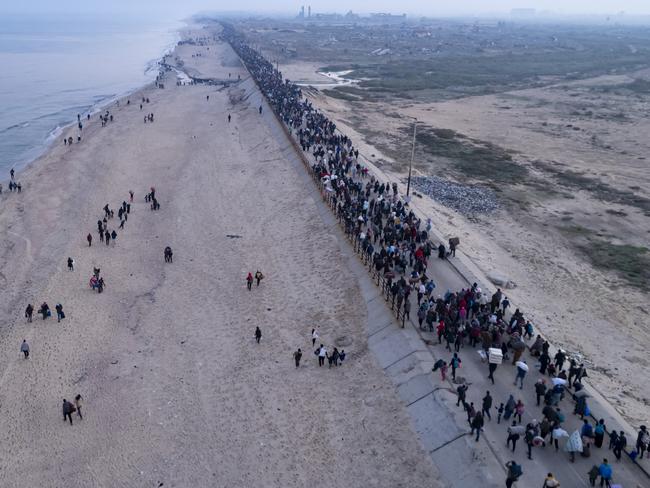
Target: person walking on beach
point(322, 354)
point(89, 238)
point(258, 277)
point(44, 310)
point(29, 311)
point(229, 118)
point(77, 403)
point(314, 336)
point(59, 312)
point(24, 348)
point(297, 356)
point(11, 173)
point(249, 281)
point(258, 334)
point(107, 237)
point(70, 264)
point(68, 409)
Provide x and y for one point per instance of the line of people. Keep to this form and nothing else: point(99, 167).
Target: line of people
point(395, 243)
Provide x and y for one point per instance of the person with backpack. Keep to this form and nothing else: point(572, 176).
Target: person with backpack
point(532, 431)
point(514, 473)
point(258, 277)
point(514, 432)
point(550, 481)
point(59, 312)
point(24, 348)
point(599, 433)
point(455, 364)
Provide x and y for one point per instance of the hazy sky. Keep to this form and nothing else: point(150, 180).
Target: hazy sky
point(180, 8)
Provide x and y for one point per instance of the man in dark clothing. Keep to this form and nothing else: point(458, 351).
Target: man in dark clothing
point(29, 311)
point(68, 408)
point(487, 405)
point(477, 424)
point(514, 472)
point(492, 367)
point(560, 357)
point(642, 441)
point(258, 334)
point(540, 390)
point(619, 445)
point(461, 391)
point(544, 359)
point(297, 356)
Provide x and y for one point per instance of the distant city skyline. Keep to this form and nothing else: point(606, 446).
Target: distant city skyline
point(167, 8)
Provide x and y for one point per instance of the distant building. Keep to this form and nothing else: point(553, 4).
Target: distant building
point(523, 13)
point(301, 15)
point(386, 16)
point(309, 12)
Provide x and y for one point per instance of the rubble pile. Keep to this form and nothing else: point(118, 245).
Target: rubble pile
point(468, 200)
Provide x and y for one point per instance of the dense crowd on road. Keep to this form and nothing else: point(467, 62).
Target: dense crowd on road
point(398, 249)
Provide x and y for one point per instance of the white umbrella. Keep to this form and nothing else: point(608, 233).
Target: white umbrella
point(522, 365)
point(558, 381)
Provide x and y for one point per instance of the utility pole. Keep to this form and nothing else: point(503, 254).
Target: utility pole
point(408, 182)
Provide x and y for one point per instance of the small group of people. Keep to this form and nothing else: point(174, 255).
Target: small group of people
point(334, 359)
point(249, 279)
point(151, 198)
point(148, 118)
point(13, 184)
point(45, 311)
point(69, 408)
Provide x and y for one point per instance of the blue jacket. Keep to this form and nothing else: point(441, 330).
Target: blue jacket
point(605, 471)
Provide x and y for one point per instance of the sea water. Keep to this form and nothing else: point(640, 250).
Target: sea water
point(52, 69)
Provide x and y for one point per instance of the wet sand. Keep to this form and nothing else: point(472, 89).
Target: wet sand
point(176, 389)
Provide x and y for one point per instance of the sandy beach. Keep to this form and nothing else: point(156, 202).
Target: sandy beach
point(176, 390)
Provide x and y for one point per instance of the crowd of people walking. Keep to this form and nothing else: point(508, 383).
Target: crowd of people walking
point(397, 246)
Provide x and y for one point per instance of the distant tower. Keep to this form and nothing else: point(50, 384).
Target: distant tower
point(302, 12)
point(309, 12)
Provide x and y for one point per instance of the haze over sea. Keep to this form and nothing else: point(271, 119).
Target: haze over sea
point(53, 68)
